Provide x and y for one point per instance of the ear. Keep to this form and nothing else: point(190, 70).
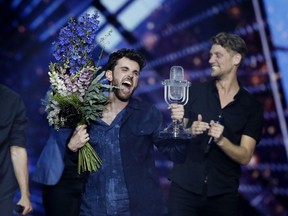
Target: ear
point(237, 59)
point(109, 75)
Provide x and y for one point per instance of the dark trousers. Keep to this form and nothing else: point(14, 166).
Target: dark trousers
point(186, 203)
point(64, 198)
point(6, 206)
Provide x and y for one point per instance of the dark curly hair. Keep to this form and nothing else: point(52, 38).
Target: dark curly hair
point(231, 42)
point(128, 53)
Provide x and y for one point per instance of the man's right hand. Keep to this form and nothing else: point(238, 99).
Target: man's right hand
point(199, 127)
point(79, 138)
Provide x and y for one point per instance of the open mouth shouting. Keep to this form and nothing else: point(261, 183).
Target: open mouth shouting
point(126, 86)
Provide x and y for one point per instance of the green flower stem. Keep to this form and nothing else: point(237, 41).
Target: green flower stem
point(88, 160)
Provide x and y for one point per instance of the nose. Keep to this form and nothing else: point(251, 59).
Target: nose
point(211, 59)
point(130, 74)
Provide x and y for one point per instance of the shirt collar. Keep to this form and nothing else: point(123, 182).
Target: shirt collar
point(215, 90)
point(133, 104)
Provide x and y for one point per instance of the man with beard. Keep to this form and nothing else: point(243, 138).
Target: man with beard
point(226, 122)
point(127, 183)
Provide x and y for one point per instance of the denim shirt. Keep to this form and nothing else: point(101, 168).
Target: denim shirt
point(138, 133)
point(106, 191)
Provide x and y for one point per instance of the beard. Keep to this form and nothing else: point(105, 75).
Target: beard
point(216, 74)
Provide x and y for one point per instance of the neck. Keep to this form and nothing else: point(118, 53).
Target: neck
point(113, 108)
point(227, 91)
point(115, 105)
point(228, 86)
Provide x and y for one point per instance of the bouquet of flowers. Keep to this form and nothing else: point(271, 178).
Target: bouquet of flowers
point(77, 95)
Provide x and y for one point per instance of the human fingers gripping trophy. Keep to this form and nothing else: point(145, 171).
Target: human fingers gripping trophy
point(176, 90)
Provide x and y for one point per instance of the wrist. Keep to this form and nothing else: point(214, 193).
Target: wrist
point(72, 148)
point(220, 141)
point(25, 194)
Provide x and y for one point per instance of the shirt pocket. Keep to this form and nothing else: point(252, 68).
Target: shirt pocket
point(138, 140)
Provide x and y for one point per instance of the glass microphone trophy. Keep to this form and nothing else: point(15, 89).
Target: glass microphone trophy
point(176, 90)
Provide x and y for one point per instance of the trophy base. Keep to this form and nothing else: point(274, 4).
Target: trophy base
point(175, 132)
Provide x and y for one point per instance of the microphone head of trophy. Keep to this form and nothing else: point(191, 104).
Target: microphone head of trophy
point(176, 90)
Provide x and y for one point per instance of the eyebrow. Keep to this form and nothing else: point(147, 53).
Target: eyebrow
point(124, 67)
point(127, 68)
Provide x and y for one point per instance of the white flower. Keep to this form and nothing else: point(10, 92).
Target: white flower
point(57, 84)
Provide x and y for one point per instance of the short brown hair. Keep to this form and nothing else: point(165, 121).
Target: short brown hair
point(128, 53)
point(231, 42)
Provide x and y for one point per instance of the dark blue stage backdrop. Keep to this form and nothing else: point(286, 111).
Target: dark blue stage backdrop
point(168, 32)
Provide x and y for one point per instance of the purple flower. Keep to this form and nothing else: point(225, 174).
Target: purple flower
point(72, 79)
point(76, 43)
